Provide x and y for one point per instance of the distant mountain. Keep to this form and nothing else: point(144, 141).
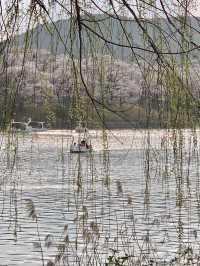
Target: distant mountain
point(49, 88)
point(62, 36)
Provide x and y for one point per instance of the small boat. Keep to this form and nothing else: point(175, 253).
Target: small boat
point(81, 147)
point(20, 127)
point(28, 127)
point(36, 126)
point(83, 143)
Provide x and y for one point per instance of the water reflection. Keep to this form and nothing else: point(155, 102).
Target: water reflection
point(138, 200)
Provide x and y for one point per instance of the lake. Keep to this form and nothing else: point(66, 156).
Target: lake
point(135, 199)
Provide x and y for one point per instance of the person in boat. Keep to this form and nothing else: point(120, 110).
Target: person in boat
point(76, 145)
point(83, 142)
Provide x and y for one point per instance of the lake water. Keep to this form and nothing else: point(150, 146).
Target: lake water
point(136, 195)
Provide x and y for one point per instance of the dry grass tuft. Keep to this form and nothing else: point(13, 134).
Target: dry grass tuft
point(48, 241)
point(31, 209)
point(50, 263)
point(119, 188)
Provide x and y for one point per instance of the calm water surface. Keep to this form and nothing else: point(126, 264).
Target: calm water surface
point(137, 193)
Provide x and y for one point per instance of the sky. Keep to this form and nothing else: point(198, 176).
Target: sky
point(102, 3)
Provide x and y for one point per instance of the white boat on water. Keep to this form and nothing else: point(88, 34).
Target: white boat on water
point(82, 144)
point(36, 126)
point(20, 127)
point(28, 127)
point(81, 147)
